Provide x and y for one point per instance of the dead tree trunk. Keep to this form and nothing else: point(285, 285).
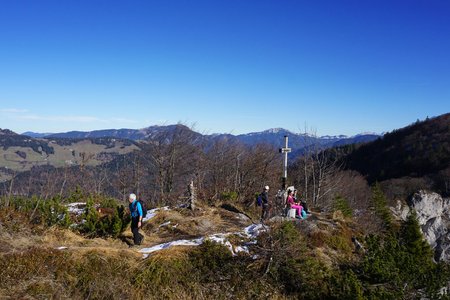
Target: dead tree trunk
point(192, 196)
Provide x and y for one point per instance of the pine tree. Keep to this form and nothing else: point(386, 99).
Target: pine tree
point(116, 224)
point(342, 204)
point(91, 217)
point(380, 205)
point(412, 238)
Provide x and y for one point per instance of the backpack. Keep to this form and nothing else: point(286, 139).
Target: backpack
point(259, 200)
point(143, 206)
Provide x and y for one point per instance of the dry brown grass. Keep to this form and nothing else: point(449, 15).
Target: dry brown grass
point(180, 252)
point(186, 225)
point(109, 269)
point(55, 236)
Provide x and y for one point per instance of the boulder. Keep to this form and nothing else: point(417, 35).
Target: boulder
point(433, 213)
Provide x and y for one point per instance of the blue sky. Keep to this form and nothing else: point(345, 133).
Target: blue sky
point(336, 67)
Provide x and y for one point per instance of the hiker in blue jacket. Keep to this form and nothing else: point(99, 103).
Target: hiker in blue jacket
point(136, 219)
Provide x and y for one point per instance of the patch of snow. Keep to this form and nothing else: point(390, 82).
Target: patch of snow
point(221, 238)
point(148, 251)
point(62, 248)
point(253, 230)
point(164, 224)
point(241, 249)
point(151, 213)
point(76, 208)
point(75, 204)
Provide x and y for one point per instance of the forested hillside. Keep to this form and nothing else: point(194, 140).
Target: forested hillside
point(417, 150)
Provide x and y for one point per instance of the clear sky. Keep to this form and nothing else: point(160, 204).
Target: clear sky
point(232, 66)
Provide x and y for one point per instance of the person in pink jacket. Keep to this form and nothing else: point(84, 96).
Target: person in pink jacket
point(291, 203)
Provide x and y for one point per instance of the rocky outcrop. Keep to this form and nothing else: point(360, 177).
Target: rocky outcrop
point(433, 213)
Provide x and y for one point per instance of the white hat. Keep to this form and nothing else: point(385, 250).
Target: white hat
point(266, 187)
point(133, 197)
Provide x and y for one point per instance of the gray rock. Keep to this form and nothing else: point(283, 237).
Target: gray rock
point(433, 213)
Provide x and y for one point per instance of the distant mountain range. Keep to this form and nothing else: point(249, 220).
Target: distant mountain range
point(21, 152)
point(272, 136)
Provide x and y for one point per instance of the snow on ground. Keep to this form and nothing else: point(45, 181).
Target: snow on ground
point(165, 224)
point(147, 251)
point(151, 213)
point(252, 231)
point(221, 238)
point(76, 208)
point(242, 249)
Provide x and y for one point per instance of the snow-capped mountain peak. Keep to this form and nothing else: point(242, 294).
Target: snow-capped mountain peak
point(334, 137)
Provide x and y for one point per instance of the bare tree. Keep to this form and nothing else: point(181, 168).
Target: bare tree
point(64, 181)
point(11, 185)
point(222, 165)
point(175, 155)
point(261, 166)
point(326, 176)
point(316, 172)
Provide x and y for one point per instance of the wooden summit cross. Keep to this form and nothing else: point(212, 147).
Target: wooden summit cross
point(285, 151)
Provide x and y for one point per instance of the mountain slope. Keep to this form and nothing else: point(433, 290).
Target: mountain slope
point(416, 150)
point(130, 134)
point(20, 153)
point(36, 134)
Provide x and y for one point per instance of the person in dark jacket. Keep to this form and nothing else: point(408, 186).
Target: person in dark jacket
point(136, 219)
point(265, 203)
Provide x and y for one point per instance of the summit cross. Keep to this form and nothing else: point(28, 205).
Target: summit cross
point(285, 151)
